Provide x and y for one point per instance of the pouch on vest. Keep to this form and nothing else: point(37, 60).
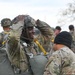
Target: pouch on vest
point(38, 64)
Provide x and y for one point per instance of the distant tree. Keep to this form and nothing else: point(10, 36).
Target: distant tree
point(69, 12)
point(67, 15)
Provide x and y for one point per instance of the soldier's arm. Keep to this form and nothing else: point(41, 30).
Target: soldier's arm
point(13, 42)
point(53, 66)
point(45, 29)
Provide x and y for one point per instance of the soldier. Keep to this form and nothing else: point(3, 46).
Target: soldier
point(5, 23)
point(71, 29)
point(5, 65)
point(25, 51)
point(62, 61)
point(57, 30)
point(72, 32)
point(46, 36)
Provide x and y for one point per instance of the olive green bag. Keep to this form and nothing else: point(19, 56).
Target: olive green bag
point(38, 64)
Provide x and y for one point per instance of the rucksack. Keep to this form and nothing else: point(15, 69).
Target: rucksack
point(38, 64)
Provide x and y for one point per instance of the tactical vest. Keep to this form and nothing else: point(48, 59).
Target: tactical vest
point(37, 62)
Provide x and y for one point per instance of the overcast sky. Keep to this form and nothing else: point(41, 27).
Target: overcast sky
point(45, 10)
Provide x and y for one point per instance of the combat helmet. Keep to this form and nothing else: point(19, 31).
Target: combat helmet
point(23, 21)
point(5, 22)
point(29, 21)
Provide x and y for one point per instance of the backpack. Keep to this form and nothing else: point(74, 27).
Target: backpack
point(38, 64)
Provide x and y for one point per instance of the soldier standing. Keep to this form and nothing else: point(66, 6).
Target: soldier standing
point(5, 23)
point(25, 55)
point(62, 61)
point(72, 32)
point(57, 30)
point(5, 65)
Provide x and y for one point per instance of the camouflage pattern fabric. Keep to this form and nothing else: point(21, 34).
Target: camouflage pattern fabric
point(73, 42)
point(5, 65)
point(17, 54)
point(44, 28)
point(46, 36)
point(18, 51)
point(62, 62)
point(5, 22)
point(3, 38)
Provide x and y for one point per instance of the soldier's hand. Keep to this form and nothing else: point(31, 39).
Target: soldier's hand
point(14, 35)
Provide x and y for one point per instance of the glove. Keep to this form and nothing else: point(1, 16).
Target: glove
point(14, 35)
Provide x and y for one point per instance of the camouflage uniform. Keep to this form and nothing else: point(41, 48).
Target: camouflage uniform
point(21, 52)
point(6, 22)
point(62, 62)
point(5, 65)
point(73, 42)
point(46, 37)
